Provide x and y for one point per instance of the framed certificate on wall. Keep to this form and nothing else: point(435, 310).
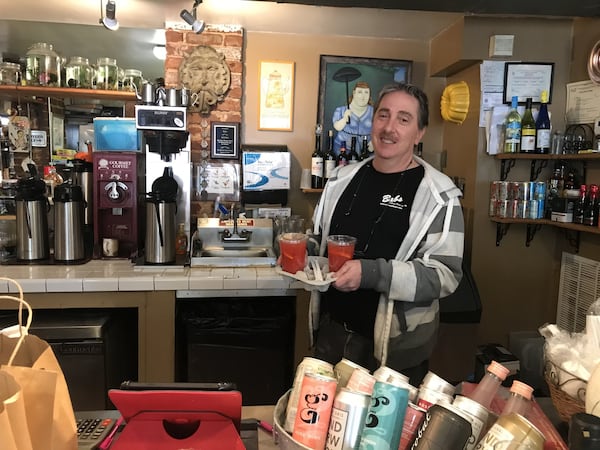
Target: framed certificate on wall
point(527, 80)
point(224, 139)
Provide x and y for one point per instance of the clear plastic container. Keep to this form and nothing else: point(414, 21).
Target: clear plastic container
point(79, 73)
point(487, 388)
point(519, 401)
point(132, 77)
point(107, 74)
point(10, 73)
point(43, 65)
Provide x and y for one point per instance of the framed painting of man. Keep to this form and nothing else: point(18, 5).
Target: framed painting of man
point(348, 88)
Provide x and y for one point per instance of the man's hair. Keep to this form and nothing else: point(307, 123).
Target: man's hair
point(413, 91)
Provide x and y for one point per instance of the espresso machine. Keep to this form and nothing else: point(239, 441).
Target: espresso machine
point(166, 146)
point(118, 180)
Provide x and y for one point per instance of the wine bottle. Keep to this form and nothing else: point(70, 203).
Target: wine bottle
point(512, 135)
point(342, 157)
point(528, 129)
point(353, 157)
point(590, 213)
point(364, 150)
point(330, 159)
point(543, 126)
point(317, 161)
point(580, 205)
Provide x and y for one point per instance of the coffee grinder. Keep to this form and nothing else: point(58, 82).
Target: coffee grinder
point(167, 149)
point(118, 177)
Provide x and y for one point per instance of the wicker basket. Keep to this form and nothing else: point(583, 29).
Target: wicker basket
point(561, 384)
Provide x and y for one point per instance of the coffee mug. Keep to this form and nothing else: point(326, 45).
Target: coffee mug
point(110, 247)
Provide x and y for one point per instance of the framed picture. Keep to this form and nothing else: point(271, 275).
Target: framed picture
point(276, 95)
point(527, 80)
point(348, 89)
point(224, 140)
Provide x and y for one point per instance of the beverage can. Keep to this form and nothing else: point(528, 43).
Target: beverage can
point(476, 414)
point(385, 373)
point(428, 397)
point(347, 419)
point(343, 371)
point(502, 208)
point(307, 364)
point(509, 430)
point(385, 418)
point(442, 428)
point(413, 418)
point(313, 413)
point(361, 381)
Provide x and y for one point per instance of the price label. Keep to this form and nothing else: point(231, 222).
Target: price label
point(38, 138)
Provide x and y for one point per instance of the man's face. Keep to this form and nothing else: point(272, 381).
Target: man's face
point(361, 96)
point(395, 129)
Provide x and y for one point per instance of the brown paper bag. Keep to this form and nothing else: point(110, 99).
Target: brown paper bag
point(46, 415)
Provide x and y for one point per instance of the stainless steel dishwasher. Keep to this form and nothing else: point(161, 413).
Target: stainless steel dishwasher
point(245, 338)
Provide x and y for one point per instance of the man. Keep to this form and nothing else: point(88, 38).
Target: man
point(383, 307)
point(354, 119)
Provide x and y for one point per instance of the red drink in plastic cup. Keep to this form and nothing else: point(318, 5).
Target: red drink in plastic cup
point(292, 247)
point(340, 248)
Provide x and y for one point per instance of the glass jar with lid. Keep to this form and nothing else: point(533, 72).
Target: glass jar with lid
point(79, 73)
point(131, 78)
point(10, 73)
point(43, 65)
point(107, 74)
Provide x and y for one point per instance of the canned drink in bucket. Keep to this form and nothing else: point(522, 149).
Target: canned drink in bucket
point(383, 425)
point(384, 373)
point(476, 414)
point(343, 371)
point(442, 429)
point(307, 364)
point(428, 397)
point(361, 381)
point(512, 431)
point(314, 410)
point(413, 418)
point(347, 420)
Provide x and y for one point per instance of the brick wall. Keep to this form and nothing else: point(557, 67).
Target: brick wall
point(229, 41)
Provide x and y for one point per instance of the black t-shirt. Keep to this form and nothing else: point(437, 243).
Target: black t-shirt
point(374, 208)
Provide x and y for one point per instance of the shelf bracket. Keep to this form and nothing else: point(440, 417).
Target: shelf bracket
point(501, 230)
point(505, 167)
point(531, 230)
point(535, 171)
point(574, 238)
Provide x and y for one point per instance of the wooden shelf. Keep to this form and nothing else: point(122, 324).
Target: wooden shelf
point(42, 91)
point(565, 225)
point(565, 156)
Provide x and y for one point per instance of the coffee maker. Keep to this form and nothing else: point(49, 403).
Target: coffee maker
point(167, 150)
point(118, 178)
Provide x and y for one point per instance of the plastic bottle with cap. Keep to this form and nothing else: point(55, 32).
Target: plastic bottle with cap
point(486, 390)
point(519, 400)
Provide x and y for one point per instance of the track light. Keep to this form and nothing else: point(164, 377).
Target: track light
point(190, 18)
point(109, 19)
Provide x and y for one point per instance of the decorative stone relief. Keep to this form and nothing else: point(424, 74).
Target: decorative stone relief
point(207, 75)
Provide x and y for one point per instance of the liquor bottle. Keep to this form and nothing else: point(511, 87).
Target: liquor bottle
point(330, 159)
point(579, 208)
point(353, 157)
point(543, 126)
point(317, 161)
point(512, 133)
point(364, 150)
point(342, 157)
point(519, 399)
point(590, 213)
point(486, 389)
point(528, 129)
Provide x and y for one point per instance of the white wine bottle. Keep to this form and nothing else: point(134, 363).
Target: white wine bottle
point(528, 129)
point(512, 129)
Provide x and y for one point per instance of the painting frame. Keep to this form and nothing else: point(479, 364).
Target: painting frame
point(276, 95)
point(224, 140)
point(335, 92)
point(527, 79)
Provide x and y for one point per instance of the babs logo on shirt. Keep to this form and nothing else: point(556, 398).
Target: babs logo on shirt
point(392, 201)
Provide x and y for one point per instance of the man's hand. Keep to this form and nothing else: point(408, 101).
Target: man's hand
point(347, 278)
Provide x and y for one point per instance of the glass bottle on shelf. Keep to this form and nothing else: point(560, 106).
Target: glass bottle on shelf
point(487, 388)
point(342, 158)
point(543, 126)
point(79, 73)
point(528, 129)
point(330, 159)
point(519, 399)
point(512, 128)
point(590, 213)
point(43, 65)
point(353, 157)
point(364, 149)
point(107, 74)
point(580, 204)
point(317, 161)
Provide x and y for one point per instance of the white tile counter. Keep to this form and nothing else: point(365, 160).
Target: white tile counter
point(123, 276)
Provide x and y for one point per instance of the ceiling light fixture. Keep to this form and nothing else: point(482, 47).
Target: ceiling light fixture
point(190, 18)
point(109, 19)
point(160, 52)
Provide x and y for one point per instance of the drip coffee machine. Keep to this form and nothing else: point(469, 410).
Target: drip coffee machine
point(118, 177)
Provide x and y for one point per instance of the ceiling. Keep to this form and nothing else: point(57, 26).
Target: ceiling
point(578, 8)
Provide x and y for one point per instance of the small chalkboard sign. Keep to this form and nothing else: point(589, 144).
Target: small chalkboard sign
point(224, 138)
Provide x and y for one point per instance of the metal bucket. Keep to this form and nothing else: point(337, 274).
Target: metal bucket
point(282, 438)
